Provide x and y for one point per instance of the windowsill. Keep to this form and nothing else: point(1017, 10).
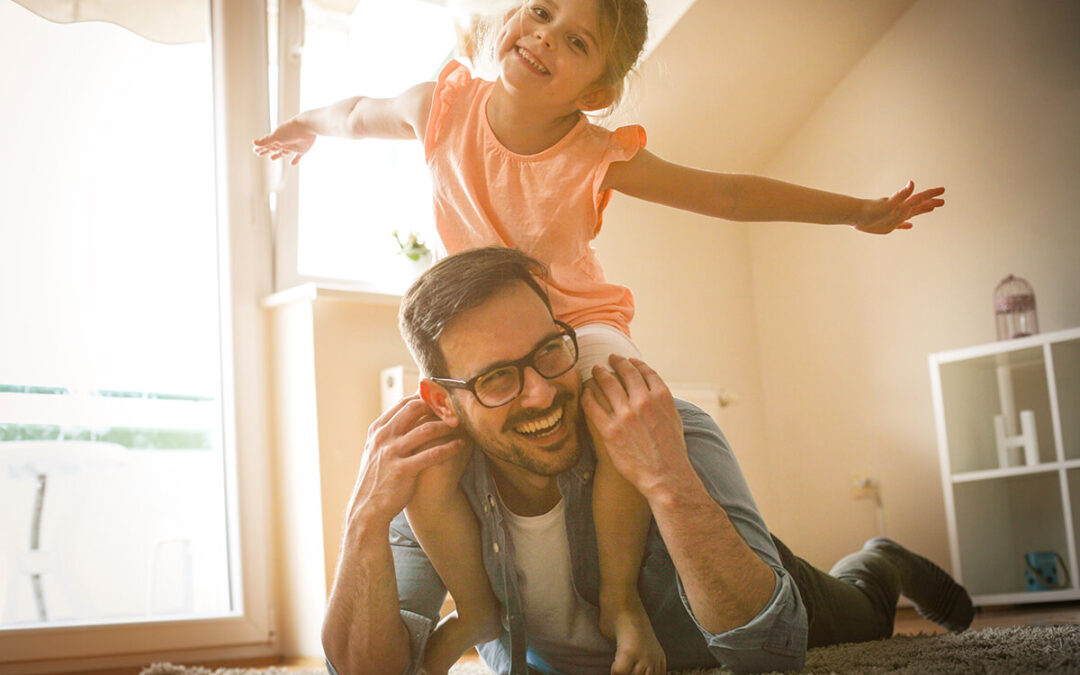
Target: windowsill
point(368, 294)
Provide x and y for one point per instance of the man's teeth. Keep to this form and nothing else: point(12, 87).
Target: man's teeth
point(541, 426)
point(539, 67)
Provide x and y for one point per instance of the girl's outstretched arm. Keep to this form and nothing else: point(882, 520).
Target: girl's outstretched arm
point(404, 116)
point(746, 197)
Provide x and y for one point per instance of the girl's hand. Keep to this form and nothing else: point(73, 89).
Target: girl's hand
point(291, 138)
point(882, 216)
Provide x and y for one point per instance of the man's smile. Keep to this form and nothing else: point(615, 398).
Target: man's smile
point(541, 426)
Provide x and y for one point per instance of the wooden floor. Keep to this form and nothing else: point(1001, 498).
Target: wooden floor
point(908, 622)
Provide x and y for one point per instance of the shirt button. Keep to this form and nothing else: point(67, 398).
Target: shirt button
point(491, 500)
point(495, 547)
point(586, 475)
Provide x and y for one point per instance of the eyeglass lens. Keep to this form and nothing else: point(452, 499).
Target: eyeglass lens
point(552, 359)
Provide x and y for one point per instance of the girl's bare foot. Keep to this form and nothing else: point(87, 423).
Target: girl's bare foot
point(637, 651)
point(453, 636)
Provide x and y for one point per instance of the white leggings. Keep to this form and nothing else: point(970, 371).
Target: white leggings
point(596, 342)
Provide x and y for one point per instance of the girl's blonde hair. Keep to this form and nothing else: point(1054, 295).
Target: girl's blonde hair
point(625, 24)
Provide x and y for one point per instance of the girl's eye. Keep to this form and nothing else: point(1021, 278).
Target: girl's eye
point(578, 43)
point(540, 12)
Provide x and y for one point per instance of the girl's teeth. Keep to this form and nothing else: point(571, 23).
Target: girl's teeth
point(536, 66)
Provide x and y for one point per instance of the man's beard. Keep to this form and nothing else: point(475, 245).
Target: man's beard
point(509, 446)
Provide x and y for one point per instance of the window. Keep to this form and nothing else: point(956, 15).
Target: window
point(118, 380)
point(353, 195)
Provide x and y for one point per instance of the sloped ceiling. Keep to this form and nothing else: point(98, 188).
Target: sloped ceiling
point(732, 80)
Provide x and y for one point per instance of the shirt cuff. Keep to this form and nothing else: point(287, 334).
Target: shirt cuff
point(775, 639)
point(419, 627)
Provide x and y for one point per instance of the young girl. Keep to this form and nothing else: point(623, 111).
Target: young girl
point(516, 163)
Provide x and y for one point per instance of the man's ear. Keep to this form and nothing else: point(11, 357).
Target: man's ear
point(438, 399)
point(596, 97)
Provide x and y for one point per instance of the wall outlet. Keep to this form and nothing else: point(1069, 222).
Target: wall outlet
point(863, 487)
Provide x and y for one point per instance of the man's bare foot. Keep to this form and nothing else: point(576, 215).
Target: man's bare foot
point(637, 651)
point(453, 636)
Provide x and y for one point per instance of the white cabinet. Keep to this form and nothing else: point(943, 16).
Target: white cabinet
point(1008, 433)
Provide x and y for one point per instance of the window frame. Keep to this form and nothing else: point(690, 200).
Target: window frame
point(284, 179)
point(241, 112)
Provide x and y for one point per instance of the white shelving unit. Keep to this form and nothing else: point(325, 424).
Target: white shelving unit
point(1012, 485)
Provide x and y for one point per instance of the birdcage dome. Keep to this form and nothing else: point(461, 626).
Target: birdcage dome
point(1014, 308)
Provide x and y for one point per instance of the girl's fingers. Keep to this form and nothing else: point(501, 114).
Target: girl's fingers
point(903, 193)
point(931, 193)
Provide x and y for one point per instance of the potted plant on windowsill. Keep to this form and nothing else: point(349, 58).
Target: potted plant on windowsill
point(417, 258)
point(413, 247)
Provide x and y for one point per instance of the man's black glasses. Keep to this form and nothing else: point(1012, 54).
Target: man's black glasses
point(504, 383)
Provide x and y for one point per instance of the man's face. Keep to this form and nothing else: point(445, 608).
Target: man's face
point(538, 430)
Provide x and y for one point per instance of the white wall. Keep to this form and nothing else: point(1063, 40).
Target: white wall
point(983, 98)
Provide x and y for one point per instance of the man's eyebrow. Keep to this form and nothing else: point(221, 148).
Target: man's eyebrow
point(506, 362)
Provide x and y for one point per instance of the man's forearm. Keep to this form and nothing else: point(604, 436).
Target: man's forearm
point(363, 631)
point(726, 583)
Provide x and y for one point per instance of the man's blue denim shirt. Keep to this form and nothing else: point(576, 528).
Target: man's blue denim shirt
point(775, 640)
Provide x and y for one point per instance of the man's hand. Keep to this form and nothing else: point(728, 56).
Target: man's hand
point(401, 443)
point(633, 414)
point(291, 138)
point(882, 216)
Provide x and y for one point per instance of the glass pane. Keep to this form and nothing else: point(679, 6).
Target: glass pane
point(111, 445)
point(355, 194)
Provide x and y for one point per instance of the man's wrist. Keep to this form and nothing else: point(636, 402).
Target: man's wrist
point(365, 525)
point(675, 490)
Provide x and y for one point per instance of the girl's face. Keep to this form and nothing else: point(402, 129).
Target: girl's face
point(555, 50)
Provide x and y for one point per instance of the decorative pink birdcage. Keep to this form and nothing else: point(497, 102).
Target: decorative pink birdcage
point(1014, 308)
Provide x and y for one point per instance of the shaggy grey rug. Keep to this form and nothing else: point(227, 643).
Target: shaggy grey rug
point(990, 651)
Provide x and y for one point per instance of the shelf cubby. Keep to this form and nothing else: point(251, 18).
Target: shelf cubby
point(1010, 489)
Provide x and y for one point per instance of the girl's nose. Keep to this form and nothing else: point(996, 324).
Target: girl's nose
point(542, 36)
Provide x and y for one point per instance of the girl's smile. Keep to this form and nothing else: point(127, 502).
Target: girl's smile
point(553, 45)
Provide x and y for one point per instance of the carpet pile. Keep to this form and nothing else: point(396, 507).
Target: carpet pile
point(989, 651)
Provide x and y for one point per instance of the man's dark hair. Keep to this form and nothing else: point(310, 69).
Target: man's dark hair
point(454, 285)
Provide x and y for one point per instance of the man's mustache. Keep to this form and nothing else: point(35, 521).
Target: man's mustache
point(524, 416)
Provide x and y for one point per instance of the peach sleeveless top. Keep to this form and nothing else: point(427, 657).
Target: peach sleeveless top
point(548, 205)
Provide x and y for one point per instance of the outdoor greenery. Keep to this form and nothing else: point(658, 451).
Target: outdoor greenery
point(133, 438)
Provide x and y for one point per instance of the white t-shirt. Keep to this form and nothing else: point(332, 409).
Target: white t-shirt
point(557, 619)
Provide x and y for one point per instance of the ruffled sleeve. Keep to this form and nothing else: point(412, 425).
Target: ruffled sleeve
point(623, 144)
point(455, 77)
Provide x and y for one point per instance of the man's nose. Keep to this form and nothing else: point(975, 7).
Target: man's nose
point(537, 391)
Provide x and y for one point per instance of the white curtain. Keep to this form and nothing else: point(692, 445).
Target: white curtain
point(166, 21)
point(182, 21)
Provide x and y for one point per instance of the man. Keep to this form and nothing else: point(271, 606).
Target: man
point(718, 588)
